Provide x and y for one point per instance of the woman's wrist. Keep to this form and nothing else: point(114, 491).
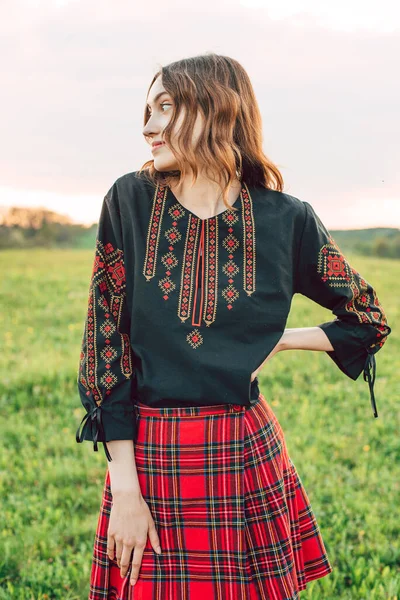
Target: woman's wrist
point(126, 494)
point(123, 474)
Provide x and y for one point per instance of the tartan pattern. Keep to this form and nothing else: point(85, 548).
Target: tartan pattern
point(233, 517)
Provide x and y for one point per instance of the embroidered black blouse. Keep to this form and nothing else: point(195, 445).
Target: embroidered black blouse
point(182, 310)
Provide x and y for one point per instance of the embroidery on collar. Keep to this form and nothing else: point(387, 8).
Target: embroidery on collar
point(200, 257)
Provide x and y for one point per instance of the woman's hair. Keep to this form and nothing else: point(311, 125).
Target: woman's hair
point(231, 141)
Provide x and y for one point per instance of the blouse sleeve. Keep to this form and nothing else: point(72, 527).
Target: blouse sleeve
point(105, 371)
point(324, 275)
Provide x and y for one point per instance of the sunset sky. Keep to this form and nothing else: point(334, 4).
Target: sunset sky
point(75, 75)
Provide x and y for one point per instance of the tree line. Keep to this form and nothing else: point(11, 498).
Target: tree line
point(42, 228)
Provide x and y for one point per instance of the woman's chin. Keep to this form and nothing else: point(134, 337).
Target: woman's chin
point(164, 163)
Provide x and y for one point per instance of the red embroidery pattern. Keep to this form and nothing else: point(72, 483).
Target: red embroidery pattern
point(335, 269)
point(210, 256)
point(201, 247)
point(249, 256)
point(169, 259)
point(230, 268)
point(188, 270)
point(195, 338)
point(107, 294)
point(153, 234)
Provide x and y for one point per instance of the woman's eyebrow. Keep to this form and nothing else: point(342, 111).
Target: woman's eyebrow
point(157, 96)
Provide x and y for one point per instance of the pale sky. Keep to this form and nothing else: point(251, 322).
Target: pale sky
point(75, 75)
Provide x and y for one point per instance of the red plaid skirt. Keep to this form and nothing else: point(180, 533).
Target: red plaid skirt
point(231, 512)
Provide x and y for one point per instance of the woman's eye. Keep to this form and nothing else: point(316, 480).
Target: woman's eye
point(162, 104)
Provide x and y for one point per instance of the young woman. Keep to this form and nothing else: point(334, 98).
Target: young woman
point(198, 256)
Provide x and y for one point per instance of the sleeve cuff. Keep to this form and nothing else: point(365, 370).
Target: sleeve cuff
point(352, 355)
point(107, 422)
point(349, 350)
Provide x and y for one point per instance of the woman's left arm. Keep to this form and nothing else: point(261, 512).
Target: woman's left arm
point(304, 338)
point(324, 275)
point(298, 338)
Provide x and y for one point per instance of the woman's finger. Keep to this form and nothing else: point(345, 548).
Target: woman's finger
point(110, 547)
point(153, 535)
point(118, 550)
point(125, 558)
point(137, 561)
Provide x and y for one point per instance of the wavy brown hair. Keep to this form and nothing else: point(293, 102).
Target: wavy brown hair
point(231, 141)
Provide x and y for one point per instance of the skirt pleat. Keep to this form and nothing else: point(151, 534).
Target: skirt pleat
point(231, 512)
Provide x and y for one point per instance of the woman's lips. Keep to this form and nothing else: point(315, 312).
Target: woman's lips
point(157, 146)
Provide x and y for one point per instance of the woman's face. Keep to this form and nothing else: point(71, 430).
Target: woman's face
point(161, 109)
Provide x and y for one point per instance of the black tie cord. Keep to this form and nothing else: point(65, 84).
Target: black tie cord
point(97, 426)
point(371, 363)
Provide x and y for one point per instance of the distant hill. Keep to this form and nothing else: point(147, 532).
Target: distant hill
point(374, 241)
point(357, 236)
point(39, 227)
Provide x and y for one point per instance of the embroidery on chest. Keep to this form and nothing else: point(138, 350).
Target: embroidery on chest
point(336, 270)
point(203, 271)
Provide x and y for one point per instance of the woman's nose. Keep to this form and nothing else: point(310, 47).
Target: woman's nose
point(151, 127)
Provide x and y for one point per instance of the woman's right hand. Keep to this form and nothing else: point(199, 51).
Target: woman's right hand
point(129, 525)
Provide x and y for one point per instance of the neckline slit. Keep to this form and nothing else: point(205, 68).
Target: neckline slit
point(190, 212)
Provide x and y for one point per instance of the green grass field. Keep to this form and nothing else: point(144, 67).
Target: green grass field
point(51, 486)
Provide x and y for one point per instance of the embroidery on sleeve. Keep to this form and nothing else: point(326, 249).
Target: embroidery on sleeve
point(334, 269)
point(106, 300)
